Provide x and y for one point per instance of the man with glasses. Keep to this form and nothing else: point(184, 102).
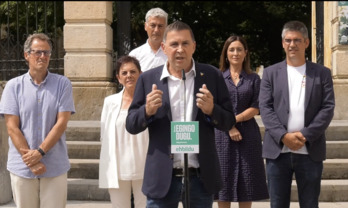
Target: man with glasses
point(37, 107)
point(296, 106)
point(150, 54)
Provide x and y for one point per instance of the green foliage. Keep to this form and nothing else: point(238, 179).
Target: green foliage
point(213, 22)
point(343, 23)
point(24, 17)
point(18, 19)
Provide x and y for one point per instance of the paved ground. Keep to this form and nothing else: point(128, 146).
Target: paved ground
point(103, 204)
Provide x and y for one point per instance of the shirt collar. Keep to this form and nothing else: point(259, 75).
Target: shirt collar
point(150, 49)
point(165, 72)
point(32, 81)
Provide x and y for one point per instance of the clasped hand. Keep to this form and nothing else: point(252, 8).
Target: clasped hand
point(32, 159)
point(294, 140)
point(235, 134)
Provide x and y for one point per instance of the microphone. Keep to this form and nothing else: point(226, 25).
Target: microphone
point(186, 170)
point(183, 75)
point(183, 79)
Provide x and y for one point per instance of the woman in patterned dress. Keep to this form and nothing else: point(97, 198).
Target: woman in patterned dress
point(240, 149)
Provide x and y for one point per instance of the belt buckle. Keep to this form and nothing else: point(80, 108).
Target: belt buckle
point(177, 174)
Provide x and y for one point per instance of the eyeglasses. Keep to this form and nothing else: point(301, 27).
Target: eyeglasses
point(296, 41)
point(38, 53)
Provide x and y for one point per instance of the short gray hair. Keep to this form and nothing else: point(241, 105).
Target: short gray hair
point(156, 12)
point(41, 36)
point(296, 26)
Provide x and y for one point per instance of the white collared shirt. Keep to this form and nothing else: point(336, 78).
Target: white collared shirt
point(177, 90)
point(147, 58)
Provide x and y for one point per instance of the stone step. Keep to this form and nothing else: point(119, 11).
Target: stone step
point(337, 149)
point(87, 189)
point(335, 169)
point(84, 149)
point(338, 130)
point(83, 140)
point(84, 168)
point(89, 168)
point(91, 149)
point(90, 130)
point(331, 191)
point(83, 131)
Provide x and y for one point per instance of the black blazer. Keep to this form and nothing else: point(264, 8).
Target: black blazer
point(274, 108)
point(159, 164)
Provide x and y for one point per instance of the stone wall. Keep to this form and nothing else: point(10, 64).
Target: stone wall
point(335, 55)
point(339, 62)
point(5, 181)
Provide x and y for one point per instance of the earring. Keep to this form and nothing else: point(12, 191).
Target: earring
point(227, 60)
point(120, 87)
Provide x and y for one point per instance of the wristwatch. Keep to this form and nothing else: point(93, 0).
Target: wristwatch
point(41, 151)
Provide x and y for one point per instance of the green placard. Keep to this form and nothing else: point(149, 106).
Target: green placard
point(185, 137)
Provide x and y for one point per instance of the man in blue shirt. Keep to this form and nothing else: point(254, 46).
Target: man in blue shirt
point(37, 107)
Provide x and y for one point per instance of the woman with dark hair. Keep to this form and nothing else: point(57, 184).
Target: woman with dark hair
point(122, 156)
point(240, 149)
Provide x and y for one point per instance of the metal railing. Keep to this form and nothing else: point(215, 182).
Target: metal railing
point(18, 19)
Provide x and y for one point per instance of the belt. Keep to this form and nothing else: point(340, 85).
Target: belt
point(179, 172)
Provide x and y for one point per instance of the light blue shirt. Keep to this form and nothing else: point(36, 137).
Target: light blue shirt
point(37, 107)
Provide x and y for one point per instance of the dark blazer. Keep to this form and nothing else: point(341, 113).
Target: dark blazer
point(274, 108)
point(159, 164)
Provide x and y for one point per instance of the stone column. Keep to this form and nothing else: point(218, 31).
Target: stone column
point(339, 61)
point(88, 61)
point(335, 55)
point(5, 181)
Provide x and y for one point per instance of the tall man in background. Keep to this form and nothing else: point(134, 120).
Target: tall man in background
point(150, 54)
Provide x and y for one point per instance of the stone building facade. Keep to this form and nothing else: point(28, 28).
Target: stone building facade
point(88, 64)
point(335, 53)
point(88, 60)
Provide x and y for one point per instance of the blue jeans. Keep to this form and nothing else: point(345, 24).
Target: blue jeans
point(199, 197)
point(308, 178)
